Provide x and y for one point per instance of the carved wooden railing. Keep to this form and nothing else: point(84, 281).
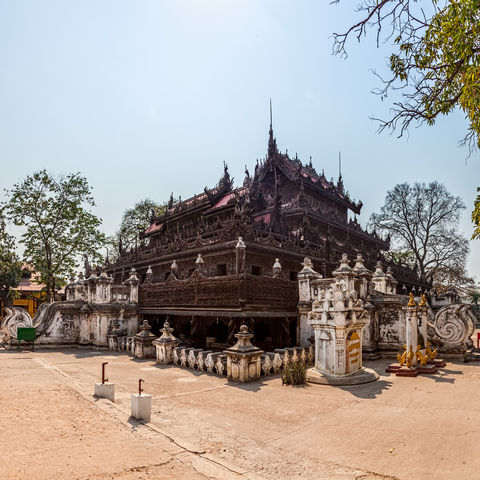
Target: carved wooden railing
point(274, 294)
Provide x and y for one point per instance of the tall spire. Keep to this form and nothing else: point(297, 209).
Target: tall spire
point(340, 180)
point(272, 142)
point(271, 122)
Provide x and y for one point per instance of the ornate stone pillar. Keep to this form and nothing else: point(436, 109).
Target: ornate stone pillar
point(133, 282)
point(199, 264)
point(338, 318)
point(414, 358)
point(143, 342)
point(104, 287)
point(165, 344)
point(243, 359)
point(305, 299)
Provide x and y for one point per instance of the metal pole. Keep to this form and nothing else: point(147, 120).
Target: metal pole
point(103, 372)
point(140, 389)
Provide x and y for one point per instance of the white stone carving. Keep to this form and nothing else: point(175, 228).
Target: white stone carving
point(16, 317)
point(454, 325)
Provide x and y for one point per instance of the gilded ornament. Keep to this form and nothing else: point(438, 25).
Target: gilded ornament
point(411, 302)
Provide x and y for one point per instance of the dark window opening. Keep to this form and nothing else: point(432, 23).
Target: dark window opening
point(221, 269)
point(256, 270)
point(293, 275)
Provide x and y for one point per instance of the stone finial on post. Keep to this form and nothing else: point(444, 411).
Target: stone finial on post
point(174, 269)
point(391, 281)
point(165, 344)
point(379, 278)
point(305, 276)
point(277, 268)
point(148, 275)
point(243, 359)
point(104, 287)
point(240, 257)
point(362, 273)
point(199, 263)
point(306, 296)
point(345, 272)
point(90, 282)
point(133, 282)
point(80, 287)
point(143, 342)
point(70, 289)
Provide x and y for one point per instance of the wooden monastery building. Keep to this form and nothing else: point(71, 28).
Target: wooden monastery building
point(231, 255)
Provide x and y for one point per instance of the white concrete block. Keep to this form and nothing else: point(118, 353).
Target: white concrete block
point(142, 406)
point(105, 390)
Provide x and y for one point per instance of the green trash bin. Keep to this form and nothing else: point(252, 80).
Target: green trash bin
point(29, 334)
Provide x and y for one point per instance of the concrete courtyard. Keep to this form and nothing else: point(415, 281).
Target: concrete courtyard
point(51, 426)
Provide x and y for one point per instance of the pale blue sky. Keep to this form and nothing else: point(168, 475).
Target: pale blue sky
point(149, 97)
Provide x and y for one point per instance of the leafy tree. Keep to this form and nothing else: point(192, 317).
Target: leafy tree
point(58, 226)
point(435, 61)
point(135, 220)
point(10, 265)
point(476, 216)
point(422, 221)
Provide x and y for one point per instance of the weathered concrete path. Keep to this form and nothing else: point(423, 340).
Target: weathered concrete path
point(51, 426)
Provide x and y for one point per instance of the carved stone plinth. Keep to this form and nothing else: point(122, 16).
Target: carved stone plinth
point(143, 342)
point(165, 345)
point(338, 317)
point(243, 359)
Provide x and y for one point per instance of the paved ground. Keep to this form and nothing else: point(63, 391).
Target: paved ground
point(51, 427)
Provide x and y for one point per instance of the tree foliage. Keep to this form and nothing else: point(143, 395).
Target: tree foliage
point(135, 220)
point(476, 216)
point(58, 227)
point(435, 60)
point(10, 265)
point(422, 221)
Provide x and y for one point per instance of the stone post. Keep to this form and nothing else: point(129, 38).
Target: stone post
point(363, 277)
point(277, 268)
point(240, 257)
point(391, 282)
point(165, 344)
point(174, 269)
point(70, 290)
point(133, 282)
point(199, 263)
point(104, 287)
point(414, 358)
point(379, 279)
point(149, 275)
point(305, 299)
point(91, 287)
point(243, 359)
point(80, 287)
point(143, 342)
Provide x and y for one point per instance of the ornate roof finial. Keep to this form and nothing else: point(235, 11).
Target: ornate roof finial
point(272, 143)
point(340, 181)
point(271, 122)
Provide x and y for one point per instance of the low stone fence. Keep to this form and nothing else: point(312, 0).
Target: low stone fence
point(242, 362)
point(271, 363)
